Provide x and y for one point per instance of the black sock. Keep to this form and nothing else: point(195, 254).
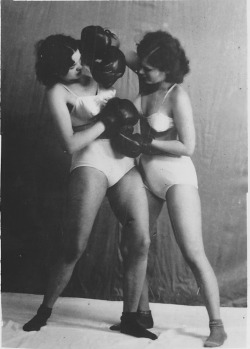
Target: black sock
point(131, 326)
point(144, 317)
point(39, 320)
point(217, 334)
point(116, 327)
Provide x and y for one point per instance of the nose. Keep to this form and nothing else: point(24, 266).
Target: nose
point(79, 66)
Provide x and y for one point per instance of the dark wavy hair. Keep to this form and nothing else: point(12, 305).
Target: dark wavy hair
point(53, 58)
point(164, 52)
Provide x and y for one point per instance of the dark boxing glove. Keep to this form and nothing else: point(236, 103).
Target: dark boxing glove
point(109, 68)
point(117, 114)
point(94, 42)
point(128, 113)
point(110, 117)
point(132, 145)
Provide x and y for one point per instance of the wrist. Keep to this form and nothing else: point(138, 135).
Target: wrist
point(147, 144)
point(100, 126)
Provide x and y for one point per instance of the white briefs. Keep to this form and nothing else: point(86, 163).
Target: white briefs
point(98, 154)
point(160, 172)
point(101, 156)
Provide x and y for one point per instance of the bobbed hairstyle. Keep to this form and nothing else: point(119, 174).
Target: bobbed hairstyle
point(162, 51)
point(54, 58)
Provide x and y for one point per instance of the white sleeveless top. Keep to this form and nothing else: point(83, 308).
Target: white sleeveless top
point(158, 121)
point(86, 107)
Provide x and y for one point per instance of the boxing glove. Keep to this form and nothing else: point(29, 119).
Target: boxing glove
point(128, 113)
point(109, 115)
point(117, 114)
point(132, 145)
point(94, 42)
point(109, 68)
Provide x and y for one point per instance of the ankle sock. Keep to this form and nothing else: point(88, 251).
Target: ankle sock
point(144, 318)
point(131, 326)
point(217, 334)
point(39, 320)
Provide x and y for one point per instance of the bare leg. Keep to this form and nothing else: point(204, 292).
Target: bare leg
point(129, 202)
point(86, 191)
point(155, 206)
point(185, 213)
point(143, 312)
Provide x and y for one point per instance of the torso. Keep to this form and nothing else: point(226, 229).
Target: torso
point(86, 103)
point(156, 114)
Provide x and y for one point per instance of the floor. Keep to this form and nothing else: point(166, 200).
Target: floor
point(78, 323)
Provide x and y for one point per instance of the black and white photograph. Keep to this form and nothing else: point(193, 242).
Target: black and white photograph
point(124, 174)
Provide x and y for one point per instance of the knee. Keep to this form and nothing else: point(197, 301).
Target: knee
point(195, 257)
point(138, 235)
point(72, 253)
point(140, 245)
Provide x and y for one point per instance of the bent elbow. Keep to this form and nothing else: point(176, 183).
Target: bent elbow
point(69, 148)
point(72, 148)
point(189, 150)
point(70, 151)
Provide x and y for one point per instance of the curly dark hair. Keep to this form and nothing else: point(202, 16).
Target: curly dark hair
point(164, 52)
point(53, 58)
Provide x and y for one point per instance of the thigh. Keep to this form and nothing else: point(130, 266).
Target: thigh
point(86, 190)
point(128, 199)
point(184, 209)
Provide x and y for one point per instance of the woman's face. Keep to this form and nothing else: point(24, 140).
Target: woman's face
point(150, 74)
point(74, 72)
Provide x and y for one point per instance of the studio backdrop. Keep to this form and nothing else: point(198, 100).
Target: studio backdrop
point(35, 168)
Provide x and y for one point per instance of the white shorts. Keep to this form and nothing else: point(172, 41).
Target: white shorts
point(101, 156)
point(161, 172)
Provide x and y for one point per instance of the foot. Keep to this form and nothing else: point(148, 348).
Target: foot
point(144, 318)
point(131, 326)
point(217, 334)
point(39, 320)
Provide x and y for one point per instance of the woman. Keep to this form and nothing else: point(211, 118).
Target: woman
point(77, 103)
point(166, 142)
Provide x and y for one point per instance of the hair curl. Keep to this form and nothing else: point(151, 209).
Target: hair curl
point(54, 58)
point(164, 52)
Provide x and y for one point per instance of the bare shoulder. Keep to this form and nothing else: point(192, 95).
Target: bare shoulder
point(57, 92)
point(179, 97)
point(179, 93)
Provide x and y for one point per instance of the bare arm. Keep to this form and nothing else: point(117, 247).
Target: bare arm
point(183, 117)
point(72, 142)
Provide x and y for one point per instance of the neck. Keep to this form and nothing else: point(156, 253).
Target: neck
point(151, 88)
point(164, 86)
point(87, 81)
